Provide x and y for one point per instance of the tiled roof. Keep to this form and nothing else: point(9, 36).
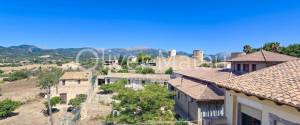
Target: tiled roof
point(263, 56)
point(279, 83)
point(207, 74)
point(137, 76)
point(196, 90)
point(75, 76)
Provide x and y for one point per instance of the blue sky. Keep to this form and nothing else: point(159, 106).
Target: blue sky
point(210, 25)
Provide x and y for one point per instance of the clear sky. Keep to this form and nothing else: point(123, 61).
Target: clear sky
point(210, 25)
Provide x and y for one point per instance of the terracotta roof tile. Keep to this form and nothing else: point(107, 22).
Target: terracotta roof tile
point(138, 76)
point(75, 76)
point(207, 74)
point(264, 56)
point(280, 83)
point(196, 90)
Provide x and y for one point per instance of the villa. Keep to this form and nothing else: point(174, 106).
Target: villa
point(270, 96)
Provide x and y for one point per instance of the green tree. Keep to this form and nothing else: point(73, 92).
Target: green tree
point(143, 58)
point(46, 80)
point(169, 71)
point(272, 47)
point(247, 49)
point(7, 106)
point(152, 104)
point(292, 50)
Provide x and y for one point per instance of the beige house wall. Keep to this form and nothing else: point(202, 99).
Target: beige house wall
point(285, 112)
point(72, 88)
point(259, 65)
point(186, 108)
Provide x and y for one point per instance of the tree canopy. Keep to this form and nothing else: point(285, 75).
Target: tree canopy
point(49, 78)
point(291, 50)
point(143, 57)
point(169, 71)
point(152, 104)
point(247, 49)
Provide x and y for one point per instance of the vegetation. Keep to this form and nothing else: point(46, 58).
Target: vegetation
point(46, 80)
point(7, 106)
point(53, 102)
point(144, 70)
point(169, 71)
point(16, 75)
point(76, 102)
point(115, 87)
point(153, 104)
point(143, 58)
point(247, 49)
point(205, 65)
point(291, 50)
point(1, 71)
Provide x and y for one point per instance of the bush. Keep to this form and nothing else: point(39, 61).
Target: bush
point(144, 70)
point(53, 102)
point(114, 87)
point(16, 75)
point(76, 102)
point(1, 71)
point(7, 106)
point(169, 71)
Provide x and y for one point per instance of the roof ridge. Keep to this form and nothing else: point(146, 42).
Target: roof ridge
point(263, 55)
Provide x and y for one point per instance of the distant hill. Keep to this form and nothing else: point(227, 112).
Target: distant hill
point(29, 51)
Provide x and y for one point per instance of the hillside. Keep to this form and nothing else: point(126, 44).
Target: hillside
point(29, 51)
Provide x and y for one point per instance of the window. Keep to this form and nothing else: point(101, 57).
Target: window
point(178, 95)
point(78, 81)
point(64, 82)
point(253, 67)
point(246, 67)
point(238, 68)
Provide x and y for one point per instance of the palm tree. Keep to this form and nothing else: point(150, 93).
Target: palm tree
point(46, 80)
point(247, 49)
point(272, 46)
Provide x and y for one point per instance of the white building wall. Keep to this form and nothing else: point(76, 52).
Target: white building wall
point(284, 112)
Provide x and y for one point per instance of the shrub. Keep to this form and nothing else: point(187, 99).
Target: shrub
point(144, 70)
point(169, 71)
point(1, 71)
point(16, 75)
point(7, 106)
point(53, 101)
point(114, 87)
point(76, 102)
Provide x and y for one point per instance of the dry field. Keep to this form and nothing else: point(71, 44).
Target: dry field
point(32, 66)
point(29, 113)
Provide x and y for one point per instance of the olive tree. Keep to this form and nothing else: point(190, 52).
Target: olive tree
point(46, 80)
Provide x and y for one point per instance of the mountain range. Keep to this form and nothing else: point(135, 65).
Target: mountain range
point(28, 51)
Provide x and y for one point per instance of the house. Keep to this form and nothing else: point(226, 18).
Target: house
point(177, 62)
point(270, 96)
point(72, 84)
point(254, 61)
point(197, 98)
point(135, 80)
